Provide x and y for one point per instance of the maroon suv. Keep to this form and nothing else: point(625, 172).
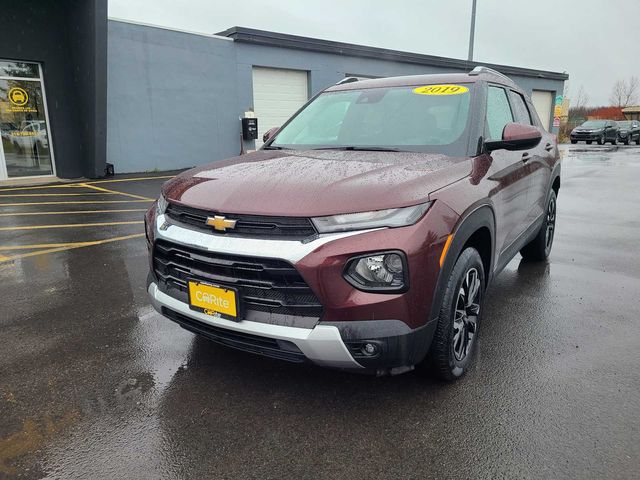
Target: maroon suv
point(364, 233)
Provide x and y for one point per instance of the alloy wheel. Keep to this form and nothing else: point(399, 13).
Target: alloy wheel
point(465, 323)
point(551, 223)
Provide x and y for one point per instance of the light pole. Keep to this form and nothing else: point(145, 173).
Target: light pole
point(472, 34)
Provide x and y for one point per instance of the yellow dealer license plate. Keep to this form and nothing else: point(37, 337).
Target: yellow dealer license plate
point(212, 300)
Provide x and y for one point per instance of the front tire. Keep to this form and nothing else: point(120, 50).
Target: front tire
point(614, 141)
point(539, 248)
point(574, 141)
point(454, 341)
point(602, 140)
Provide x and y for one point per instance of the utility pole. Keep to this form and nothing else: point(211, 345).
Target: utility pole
point(472, 34)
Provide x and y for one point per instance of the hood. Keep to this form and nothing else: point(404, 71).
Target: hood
point(315, 183)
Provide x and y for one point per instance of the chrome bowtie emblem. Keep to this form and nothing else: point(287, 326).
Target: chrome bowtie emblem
point(221, 223)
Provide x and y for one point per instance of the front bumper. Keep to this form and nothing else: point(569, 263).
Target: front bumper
point(628, 135)
point(335, 345)
point(586, 136)
point(321, 345)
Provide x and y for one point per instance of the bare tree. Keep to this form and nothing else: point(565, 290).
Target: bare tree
point(633, 89)
point(582, 98)
point(625, 93)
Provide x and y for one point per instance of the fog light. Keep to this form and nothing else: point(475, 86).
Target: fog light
point(381, 271)
point(370, 349)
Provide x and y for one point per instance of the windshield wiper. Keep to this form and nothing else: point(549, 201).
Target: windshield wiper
point(274, 147)
point(362, 148)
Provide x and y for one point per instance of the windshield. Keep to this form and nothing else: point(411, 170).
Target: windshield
point(594, 124)
point(420, 119)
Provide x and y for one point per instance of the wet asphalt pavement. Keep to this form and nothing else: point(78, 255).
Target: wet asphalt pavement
point(95, 384)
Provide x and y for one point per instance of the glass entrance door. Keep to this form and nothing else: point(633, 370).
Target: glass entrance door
point(25, 150)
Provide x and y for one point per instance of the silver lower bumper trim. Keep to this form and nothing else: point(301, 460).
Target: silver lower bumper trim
point(321, 344)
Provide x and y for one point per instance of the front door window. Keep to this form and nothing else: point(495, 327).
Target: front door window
point(26, 148)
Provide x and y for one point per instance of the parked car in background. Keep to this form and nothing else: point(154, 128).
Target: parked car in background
point(364, 233)
point(6, 128)
point(32, 135)
point(600, 131)
point(629, 131)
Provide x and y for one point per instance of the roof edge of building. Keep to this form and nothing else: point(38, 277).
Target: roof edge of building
point(274, 39)
point(165, 27)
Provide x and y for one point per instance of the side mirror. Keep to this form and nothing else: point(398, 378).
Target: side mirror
point(515, 136)
point(269, 134)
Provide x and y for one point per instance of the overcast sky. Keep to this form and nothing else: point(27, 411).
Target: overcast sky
point(595, 41)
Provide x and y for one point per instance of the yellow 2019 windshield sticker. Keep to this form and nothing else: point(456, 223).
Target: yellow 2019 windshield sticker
point(441, 90)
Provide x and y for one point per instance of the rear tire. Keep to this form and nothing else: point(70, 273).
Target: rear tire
point(574, 141)
point(456, 334)
point(589, 142)
point(638, 140)
point(539, 248)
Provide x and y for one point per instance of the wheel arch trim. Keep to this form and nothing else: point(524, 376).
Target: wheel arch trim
point(476, 218)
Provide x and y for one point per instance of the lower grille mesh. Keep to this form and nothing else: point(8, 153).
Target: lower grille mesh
point(269, 347)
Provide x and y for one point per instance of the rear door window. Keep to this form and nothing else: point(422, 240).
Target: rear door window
point(520, 109)
point(498, 112)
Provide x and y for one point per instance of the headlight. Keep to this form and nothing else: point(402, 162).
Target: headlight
point(162, 204)
point(378, 272)
point(392, 217)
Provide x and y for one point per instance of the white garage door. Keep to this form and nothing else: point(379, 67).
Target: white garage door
point(277, 94)
point(543, 101)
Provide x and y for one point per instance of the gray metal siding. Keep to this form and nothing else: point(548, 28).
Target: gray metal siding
point(172, 99)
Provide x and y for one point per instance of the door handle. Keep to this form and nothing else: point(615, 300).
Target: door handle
point(526, 156)
point(548, 147)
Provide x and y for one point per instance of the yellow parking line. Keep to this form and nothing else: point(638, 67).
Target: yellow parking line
point(138, 179)
point(70, 225)
point(71, 212)
point(71, 203)
point(114, 192)
point(91, 182)
point(59, 194)
point(44, 245)
point(38, 187)
point(70, 247)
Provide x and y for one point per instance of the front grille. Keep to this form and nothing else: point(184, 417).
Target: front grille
point(264, 284)
point(291, 228)
point(281, 349)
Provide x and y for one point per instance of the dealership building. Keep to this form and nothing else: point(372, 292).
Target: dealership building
point(79, 91)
